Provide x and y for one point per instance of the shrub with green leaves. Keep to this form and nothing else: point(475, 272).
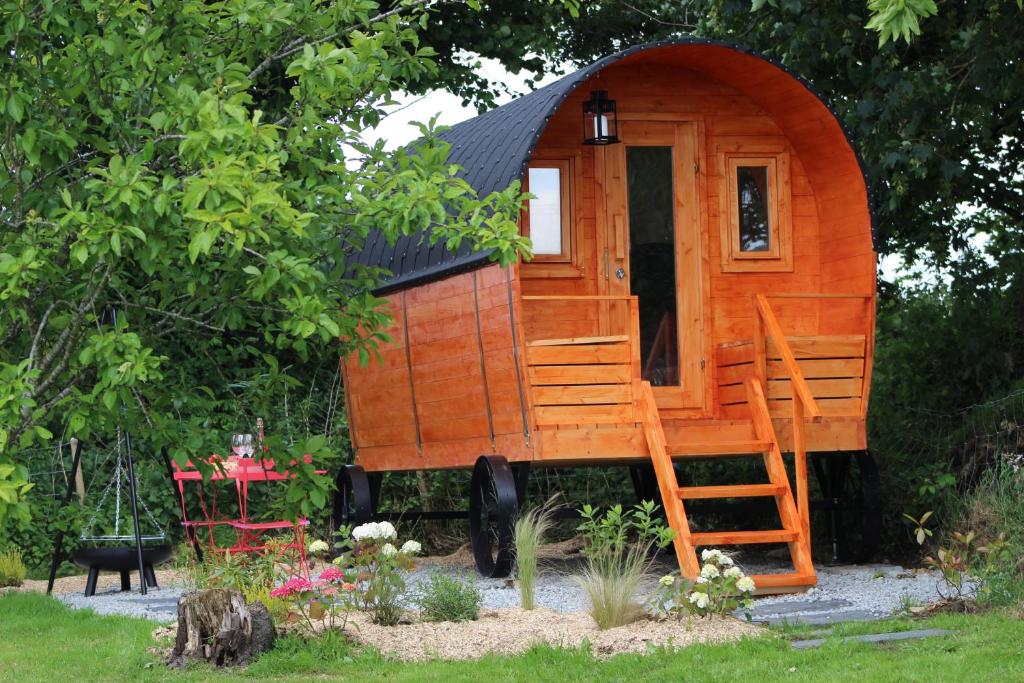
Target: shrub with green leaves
point(721, 588)
point(12, 569)
point(450, 598)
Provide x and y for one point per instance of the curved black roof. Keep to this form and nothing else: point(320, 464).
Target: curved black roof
point(494, 149)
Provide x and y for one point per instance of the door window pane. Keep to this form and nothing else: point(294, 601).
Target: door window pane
point(752, 194)
point(652, 258)
point(546, 210)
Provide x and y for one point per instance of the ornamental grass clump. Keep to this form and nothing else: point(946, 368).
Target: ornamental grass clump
point(529, 534)
point(378, 566)
point(721, 588)
point(618, 549)
point(12, 568)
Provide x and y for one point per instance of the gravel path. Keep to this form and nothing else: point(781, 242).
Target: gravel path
point(843, 593)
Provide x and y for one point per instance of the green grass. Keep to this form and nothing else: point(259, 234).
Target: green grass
point(40, 640)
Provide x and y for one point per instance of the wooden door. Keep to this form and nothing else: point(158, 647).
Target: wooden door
point(653, 242)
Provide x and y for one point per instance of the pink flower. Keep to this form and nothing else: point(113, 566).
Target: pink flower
point(332, 574)
point(291, 587)
point(330, 590)
point(348, 586)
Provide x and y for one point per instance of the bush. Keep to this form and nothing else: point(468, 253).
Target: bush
point(12, 569)
point(528, 535)
point(448, 598)
point(618, 550)
point(720, 589)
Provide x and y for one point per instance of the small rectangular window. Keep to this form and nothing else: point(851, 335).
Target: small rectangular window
point(756, 215)
point(548, 218)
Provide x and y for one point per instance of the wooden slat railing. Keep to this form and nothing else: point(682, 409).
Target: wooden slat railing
point(588, 379)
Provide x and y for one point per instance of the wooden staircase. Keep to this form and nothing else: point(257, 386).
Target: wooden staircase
point(794, 531)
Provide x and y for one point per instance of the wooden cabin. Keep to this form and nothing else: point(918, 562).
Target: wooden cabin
point(702, 285)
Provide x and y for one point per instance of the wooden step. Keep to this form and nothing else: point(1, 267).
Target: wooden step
point(732, 491)
point(706, 538)
point(718, 448)
point(784, 580)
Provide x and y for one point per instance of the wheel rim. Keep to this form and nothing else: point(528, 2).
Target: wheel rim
point(492, 508)
point(352, 504)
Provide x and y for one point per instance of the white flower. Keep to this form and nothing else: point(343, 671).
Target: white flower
point(709, 555)
point(667, 580)
point(746, 584)
point(365, 531)
point(699, 599)
point(374, 531)
point(701, 579)
point(734, 573)
point(709, 571)
point(319, 546)
point(725, 560)
point(387, 550)
point(411, 547)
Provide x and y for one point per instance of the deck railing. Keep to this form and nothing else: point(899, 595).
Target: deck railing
point(588, 375)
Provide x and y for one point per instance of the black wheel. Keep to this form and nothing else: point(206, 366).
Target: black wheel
point(493, 505)
point(353, 503)
point(851, 502)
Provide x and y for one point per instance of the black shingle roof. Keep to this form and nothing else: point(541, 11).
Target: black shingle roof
point(494, 149)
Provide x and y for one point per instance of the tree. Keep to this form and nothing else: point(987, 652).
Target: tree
point(197, 167)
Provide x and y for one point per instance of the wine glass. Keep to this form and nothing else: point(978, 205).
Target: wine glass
point(248, 445)
point(238, 444)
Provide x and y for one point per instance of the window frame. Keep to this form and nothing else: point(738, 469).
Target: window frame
point(567, 263)
point(779, 256)
point(564, 167)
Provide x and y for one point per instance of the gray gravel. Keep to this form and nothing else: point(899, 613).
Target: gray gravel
point(843, 593)
point(158, 604)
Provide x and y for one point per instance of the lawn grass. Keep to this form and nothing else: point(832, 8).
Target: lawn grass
point(41, 640)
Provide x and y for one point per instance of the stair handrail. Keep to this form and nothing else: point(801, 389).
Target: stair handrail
point(804, 405)
point(765, 318)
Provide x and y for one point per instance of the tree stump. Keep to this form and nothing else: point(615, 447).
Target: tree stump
point(217, 626)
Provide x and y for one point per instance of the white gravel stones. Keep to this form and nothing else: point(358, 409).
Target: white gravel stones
point(843, 593)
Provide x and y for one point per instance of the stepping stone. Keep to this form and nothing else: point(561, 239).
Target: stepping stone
point(800, 606)
point(875, 638)
point(822, 618)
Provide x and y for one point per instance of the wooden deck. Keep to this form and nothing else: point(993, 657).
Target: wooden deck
point(591, 403)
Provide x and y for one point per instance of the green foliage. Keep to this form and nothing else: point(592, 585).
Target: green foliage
point(894, 19)
point(528, 535)
point(199, 167)
point(449, 598)
point(994, 511)
point(618, 551)
point(12, 568)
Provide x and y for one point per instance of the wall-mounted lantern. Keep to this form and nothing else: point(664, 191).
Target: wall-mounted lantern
point(600, 122)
